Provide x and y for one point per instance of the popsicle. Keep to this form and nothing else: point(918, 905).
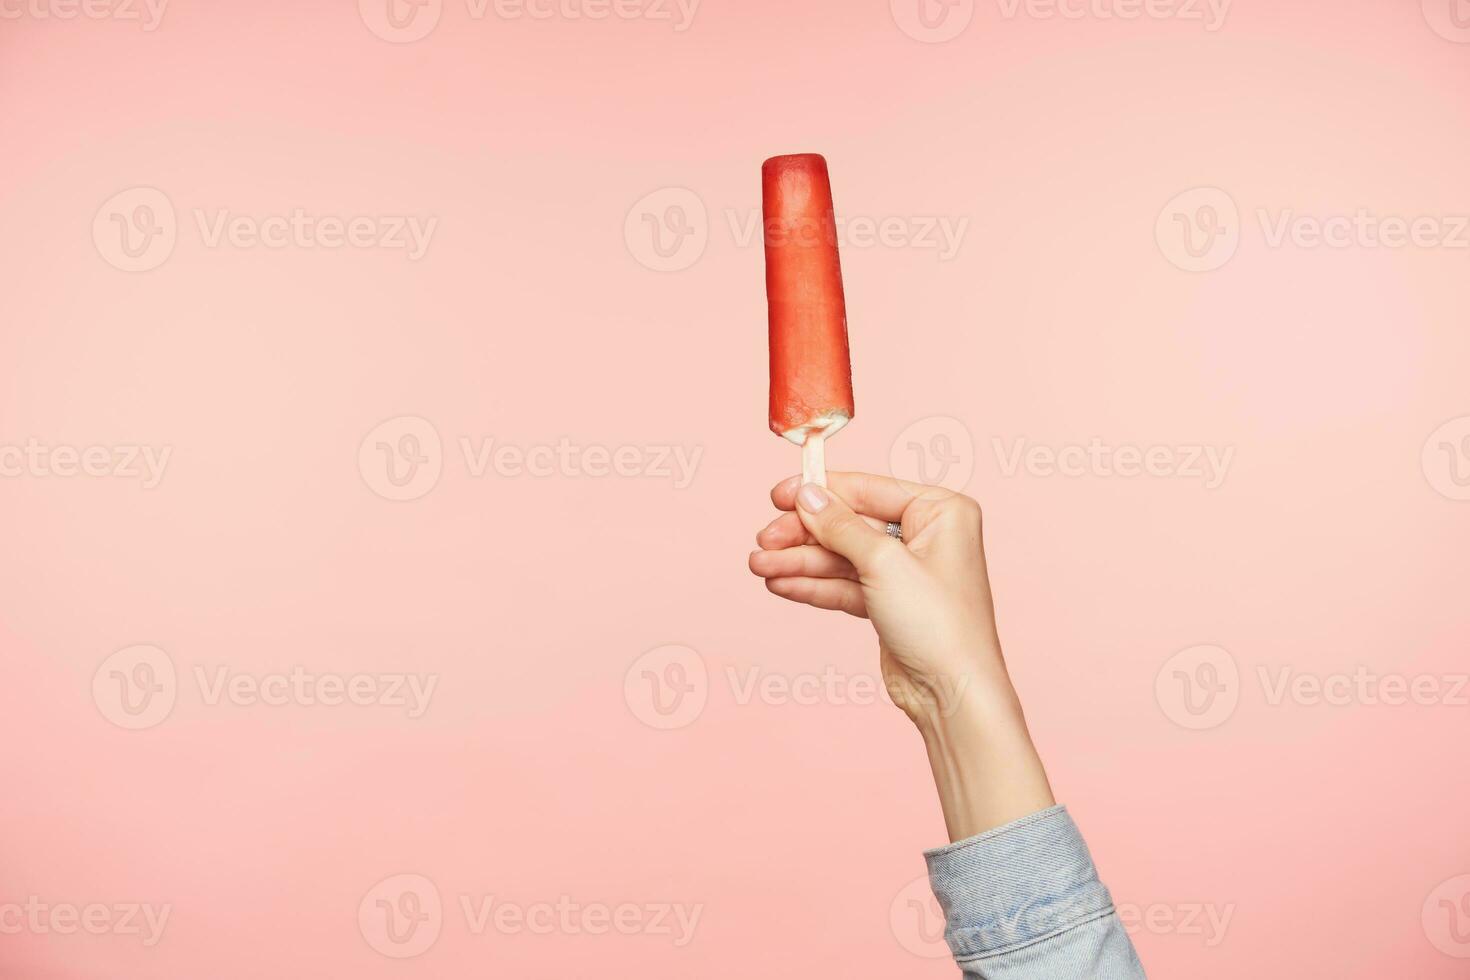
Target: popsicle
point(811, 373)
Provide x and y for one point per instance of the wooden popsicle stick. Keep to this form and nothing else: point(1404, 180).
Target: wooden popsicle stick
point(814, 458)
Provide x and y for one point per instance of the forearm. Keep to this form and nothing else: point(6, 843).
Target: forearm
point(985, 766)
point(1021, 897)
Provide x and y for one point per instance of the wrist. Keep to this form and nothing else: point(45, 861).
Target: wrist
point(970, 713)
point(975, 696)
point(985, 766)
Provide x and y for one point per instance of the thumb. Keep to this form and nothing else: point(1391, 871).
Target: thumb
point(837, 528)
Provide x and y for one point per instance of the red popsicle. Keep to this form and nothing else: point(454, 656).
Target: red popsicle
point(811, 373)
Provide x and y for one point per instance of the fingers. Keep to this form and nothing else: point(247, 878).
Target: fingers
point(807, 561)
point(838, 529)
point(882, 497)
point(824, 593)
point(787, 531)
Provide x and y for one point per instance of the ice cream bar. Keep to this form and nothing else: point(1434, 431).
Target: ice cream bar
point(811, 374)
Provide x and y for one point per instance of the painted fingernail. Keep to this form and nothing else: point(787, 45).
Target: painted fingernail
point(812, 498)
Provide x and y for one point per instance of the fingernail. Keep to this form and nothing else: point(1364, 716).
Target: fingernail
point(812, 498)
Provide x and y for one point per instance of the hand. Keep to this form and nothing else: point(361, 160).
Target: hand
point(928, 596)
point(929, 599)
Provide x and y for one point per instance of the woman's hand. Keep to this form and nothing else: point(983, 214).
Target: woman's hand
point(928, 597)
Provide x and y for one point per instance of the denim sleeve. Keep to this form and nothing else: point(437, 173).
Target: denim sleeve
point(1023, 902)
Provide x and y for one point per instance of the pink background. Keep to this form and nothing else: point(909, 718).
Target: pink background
point(1323, 829)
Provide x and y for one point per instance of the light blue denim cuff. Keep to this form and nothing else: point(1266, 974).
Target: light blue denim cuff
point(1016, 885)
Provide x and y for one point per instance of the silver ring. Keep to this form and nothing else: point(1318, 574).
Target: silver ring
point(895, 530)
